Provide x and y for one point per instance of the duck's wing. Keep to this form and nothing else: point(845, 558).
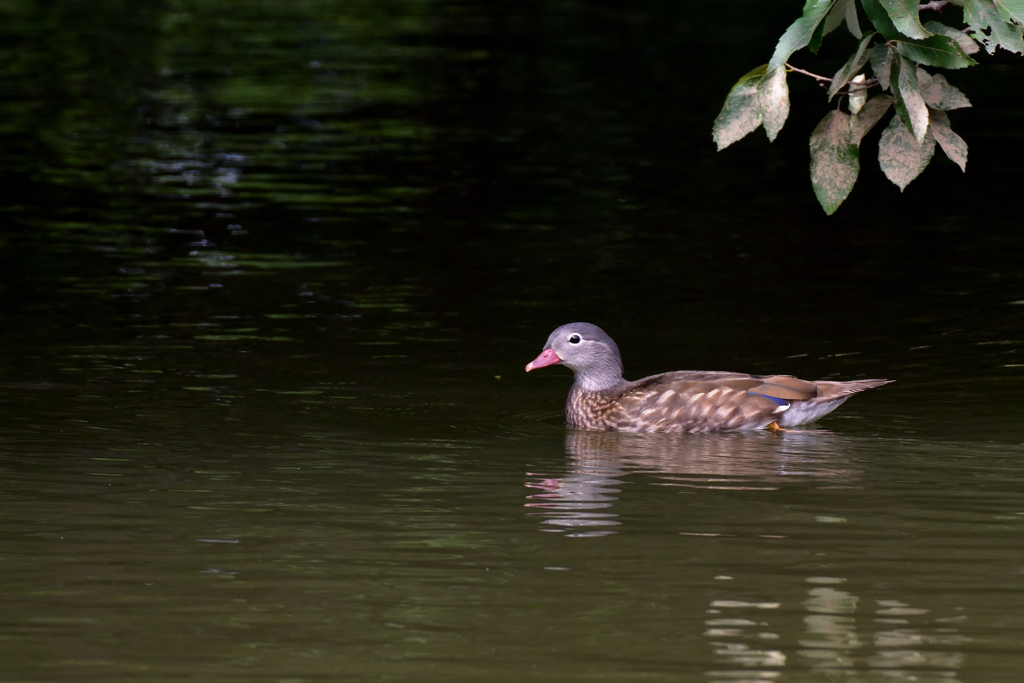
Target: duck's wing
point(701, 401)
point(827, 389)
point(688, 401)
point(828, 396)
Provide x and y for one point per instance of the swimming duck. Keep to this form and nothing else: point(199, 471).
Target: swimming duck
point(684, 401)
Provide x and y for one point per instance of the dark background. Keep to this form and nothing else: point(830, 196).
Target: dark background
point(485, 169)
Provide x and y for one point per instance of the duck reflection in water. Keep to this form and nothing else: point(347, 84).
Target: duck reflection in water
point(569, 503)
point(579, 503)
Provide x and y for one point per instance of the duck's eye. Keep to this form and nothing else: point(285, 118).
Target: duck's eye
point(574, 339)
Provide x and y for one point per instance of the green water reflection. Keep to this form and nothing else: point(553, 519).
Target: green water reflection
point(269, 274)
point(325, 555)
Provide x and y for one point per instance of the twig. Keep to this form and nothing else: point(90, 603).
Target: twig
point(862, 85)
point(807, 73)
point(936, 5)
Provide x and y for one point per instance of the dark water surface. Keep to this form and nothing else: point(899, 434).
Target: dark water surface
point(270, 272)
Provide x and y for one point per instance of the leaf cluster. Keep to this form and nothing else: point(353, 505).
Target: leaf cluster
point(890, 58)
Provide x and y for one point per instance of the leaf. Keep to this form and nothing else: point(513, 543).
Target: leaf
point(773, 101)
point(904, 15)
point(881, 64)
point(1009, 37)
point(835, 161)
point(967, 44)
point(740, 114)
point(852, 23)
point(900, 156)
point(909, 102)
point(938, 94)
point(836, 15)
point(858, 94)
point(852, 66)
point(951, 143)
point(870, 114)
point(800, 32)
point(936, 51)
point(1011, 10)
point(814, 44)
point(983, 14)
point(879, 18)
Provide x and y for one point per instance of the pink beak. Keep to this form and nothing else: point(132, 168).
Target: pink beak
point(546, 357)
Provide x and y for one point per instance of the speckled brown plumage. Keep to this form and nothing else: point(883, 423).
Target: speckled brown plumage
point(686, 401)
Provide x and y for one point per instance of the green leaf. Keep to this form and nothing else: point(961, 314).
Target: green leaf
point(740, 114)
point(852, 66)
point(1009, 37)
point(836, 15)
point(870, 114)
point(835, 161)
point(951, 143)
point(983, 14)
point(773, 101)
point(852, 23)
point(909, 102)
point(936, 51)
point(900, 156)
point(967, 44)
point(1011, 10)
point(938, 94)
point(904, 16)
point(879, 18)
point(815, 42)
point(800, 32)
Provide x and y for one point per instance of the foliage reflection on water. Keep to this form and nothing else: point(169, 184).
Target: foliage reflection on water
point(893, 641)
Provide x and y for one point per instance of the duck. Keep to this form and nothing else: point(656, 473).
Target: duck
point(684, 401)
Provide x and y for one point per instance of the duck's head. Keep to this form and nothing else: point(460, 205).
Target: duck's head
point(586, 350)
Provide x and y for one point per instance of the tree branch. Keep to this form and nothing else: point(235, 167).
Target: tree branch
point(936, 5)
point(861, 85)
point(807, 73)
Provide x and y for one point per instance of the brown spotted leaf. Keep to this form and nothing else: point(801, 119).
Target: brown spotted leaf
point(868, 116)
point(951, 143)
point(938, 94)
point(881, 64)
point(900, 156)
point(740, 114)
point(773, 101)
point(909, 102)
point(835, 160)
